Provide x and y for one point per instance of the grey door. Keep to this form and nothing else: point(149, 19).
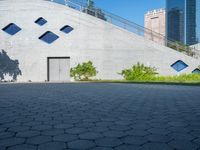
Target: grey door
point(59, 69)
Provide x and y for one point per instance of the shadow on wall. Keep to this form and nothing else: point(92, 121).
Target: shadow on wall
point(8, 67)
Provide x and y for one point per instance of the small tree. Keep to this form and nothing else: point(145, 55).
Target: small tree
point(83, 72)
point(139, 72)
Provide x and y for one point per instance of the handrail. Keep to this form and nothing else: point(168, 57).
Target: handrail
point(130, 26)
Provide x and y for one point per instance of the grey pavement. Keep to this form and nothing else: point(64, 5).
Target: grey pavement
point(98, 116)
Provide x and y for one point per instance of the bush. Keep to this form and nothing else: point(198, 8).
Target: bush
point(83, 72)
point(139, 72)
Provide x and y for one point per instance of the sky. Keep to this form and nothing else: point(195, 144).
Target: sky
point(132, 10)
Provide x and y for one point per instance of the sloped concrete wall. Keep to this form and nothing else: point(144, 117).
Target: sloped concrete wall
point(109, 47)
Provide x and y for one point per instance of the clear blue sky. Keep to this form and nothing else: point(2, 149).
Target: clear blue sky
point(132, 10)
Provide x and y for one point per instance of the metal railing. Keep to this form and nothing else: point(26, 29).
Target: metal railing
point(128, 25)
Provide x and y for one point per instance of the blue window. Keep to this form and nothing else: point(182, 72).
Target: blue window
point(179, 65)
point(48, 37)
point(40, 21)
point(11, 29)
point(66, 29)
point(196, 71)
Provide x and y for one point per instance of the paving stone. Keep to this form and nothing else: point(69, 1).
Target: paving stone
point(4, 135)
point(183, 145)
point(63, 126)
point(128, 147)
point(101, 148)
point(18, 128)
point(108, 142)
point(76, 130)
point(156, 146)
point(158, 138)
point(41, 127)
point(197, 141)
point(134, 140)
point(114, 134)
point(53, 132)
point(100, 116)
point(28, 133)
point(11, 141)
point(98, 129)
point(52, 146)
point(90, 135)
point(65, 137)
point(39, 139)
point(23, 147)
point(81, 144)
point(2, 148)
point(159, 131)
point(137, 132)
point(181, 136)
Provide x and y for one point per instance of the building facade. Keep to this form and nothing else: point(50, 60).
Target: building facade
point(183, 21)
point(155, 22)
point(42, 40)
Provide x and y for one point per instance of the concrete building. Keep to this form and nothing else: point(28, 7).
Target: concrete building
point(155, 21)
point(46, 39)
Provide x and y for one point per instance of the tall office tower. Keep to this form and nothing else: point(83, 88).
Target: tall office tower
point(155, 21)
point(183, 21)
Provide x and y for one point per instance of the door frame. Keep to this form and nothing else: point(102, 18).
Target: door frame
point(48, 58)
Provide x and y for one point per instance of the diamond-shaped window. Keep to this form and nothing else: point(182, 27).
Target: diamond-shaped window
point(48, 37)
point(179, 65)
point(11, 29)
point(196, 71)
point(40, 21)
point(66, 29)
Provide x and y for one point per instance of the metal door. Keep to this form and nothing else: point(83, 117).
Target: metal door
point(58, 69)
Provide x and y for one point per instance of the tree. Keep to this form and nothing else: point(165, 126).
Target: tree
point(8, 66)
point(83, 72)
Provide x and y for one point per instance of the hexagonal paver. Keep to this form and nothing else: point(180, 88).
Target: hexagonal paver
point(19, 128)
point(28, 133)
point(156, 146)
point(108, 142)
point(63, 126)
point(112, 133)
point(137, 132)
point(53, 132)
point(158, 138)
point(39, 139)
point(81, 144)
point(183, 145)
point(128, 147)
point(159, 131)
point(76, 130)
point(99, 116)
point(41, 127)
point(134, 140)
point(23, 147)
point(11, 141)
point(4, 135)
point(90, 135)
point(65, 137)
point(52, 146)
point(101, 148)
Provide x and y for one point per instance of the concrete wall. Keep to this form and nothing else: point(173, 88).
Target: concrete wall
point(109, 47)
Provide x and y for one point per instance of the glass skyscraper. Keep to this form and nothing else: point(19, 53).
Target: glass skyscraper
point(183, 21)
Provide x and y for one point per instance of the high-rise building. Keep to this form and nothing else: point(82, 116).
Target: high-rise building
point(155, 21)
point(183, 21)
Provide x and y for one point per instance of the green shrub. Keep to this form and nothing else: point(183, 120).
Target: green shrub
point(139, 72)
point(83, 72)
point(179, 78)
